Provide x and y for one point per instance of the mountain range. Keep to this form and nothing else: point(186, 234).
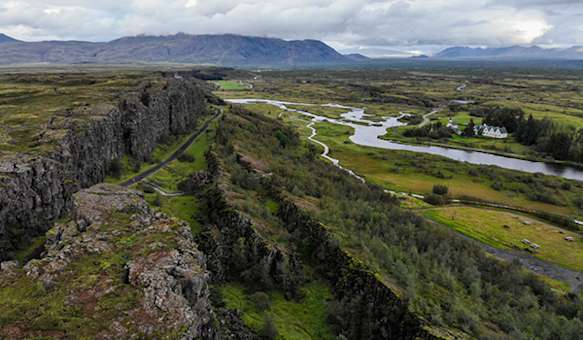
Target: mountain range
point(234, 50)
point(512, 53)
point(224, 49)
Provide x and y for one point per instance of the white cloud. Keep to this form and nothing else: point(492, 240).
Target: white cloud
point(347, 24)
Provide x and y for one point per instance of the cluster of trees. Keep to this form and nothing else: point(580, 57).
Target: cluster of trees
point(434, 130)
point(485, 297)
point(560, 141)
point(438, 195)
point(509, 118)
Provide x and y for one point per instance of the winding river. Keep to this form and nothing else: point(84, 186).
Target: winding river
point(367, 133)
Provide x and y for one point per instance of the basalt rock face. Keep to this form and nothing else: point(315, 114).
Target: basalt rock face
point(236, 251)
point(35, 190)
point(122, 269)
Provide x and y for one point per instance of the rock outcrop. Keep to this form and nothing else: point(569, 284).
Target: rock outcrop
point(236, 251)
point(35, 190)
point(118, 266)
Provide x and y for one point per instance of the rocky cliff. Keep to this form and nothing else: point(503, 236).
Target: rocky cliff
point(35, 190)
point(117, 269)
point(235, 249)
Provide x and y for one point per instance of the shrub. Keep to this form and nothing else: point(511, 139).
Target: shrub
point(115, 168)
point(135, 165)
point(497, 186)
point(434, 199)
point(157, 200)
point(147, 188)
point(186, 158)
point(440, 189)
point(261, 300)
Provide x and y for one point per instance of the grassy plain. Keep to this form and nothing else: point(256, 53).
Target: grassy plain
point(506, 230)
point(417, 173)
point(230, 85)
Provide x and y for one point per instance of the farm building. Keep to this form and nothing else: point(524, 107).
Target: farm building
point(491, 131)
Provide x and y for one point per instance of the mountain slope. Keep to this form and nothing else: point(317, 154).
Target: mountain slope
point(227, 49)
point(513, 52)
point(6, 39)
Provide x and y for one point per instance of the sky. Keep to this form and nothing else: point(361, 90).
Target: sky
point(372, 27)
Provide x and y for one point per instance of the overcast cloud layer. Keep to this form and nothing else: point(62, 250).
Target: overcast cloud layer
point(374, 27)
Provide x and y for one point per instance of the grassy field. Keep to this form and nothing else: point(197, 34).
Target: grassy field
point(506, 230)
point(130, 168)
point(417, 173)
point(305, 319)
point(559, 114)
point(326, 111)
point(185, 208)
point(230, 85)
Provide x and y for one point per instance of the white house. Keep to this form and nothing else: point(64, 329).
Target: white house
point(490, 131)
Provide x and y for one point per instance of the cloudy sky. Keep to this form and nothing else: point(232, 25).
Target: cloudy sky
point(373, 26)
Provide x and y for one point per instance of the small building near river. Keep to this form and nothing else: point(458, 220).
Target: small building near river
point(491, 131)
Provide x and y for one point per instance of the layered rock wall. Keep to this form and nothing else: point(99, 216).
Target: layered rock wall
point(36, 190)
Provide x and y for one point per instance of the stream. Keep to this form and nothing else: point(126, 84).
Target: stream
point(367, 133)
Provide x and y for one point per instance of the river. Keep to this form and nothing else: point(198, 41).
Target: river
point(367, 133)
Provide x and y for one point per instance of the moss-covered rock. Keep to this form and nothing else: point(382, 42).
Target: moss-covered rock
point(116, 269)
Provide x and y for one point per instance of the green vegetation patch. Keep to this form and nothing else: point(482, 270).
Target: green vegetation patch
point(186, 208)
point(506, 230)
point(417, 173)
point(304, 319)
point(231, 85)
point(193, 160)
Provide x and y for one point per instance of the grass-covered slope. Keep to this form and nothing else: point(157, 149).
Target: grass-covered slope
point(445, 279)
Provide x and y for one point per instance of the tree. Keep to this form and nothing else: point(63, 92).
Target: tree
point(559, 145)
point(115, 168)
point(469, 130)
point(157, 200)
point(440, 189)
point(262, 301)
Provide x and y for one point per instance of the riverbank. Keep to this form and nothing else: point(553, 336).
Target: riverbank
point(414, 141)
point(368, 135)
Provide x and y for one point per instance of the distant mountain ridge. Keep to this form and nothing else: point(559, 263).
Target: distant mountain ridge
point(224, 49)
point(5, 39)
point(512, 52)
